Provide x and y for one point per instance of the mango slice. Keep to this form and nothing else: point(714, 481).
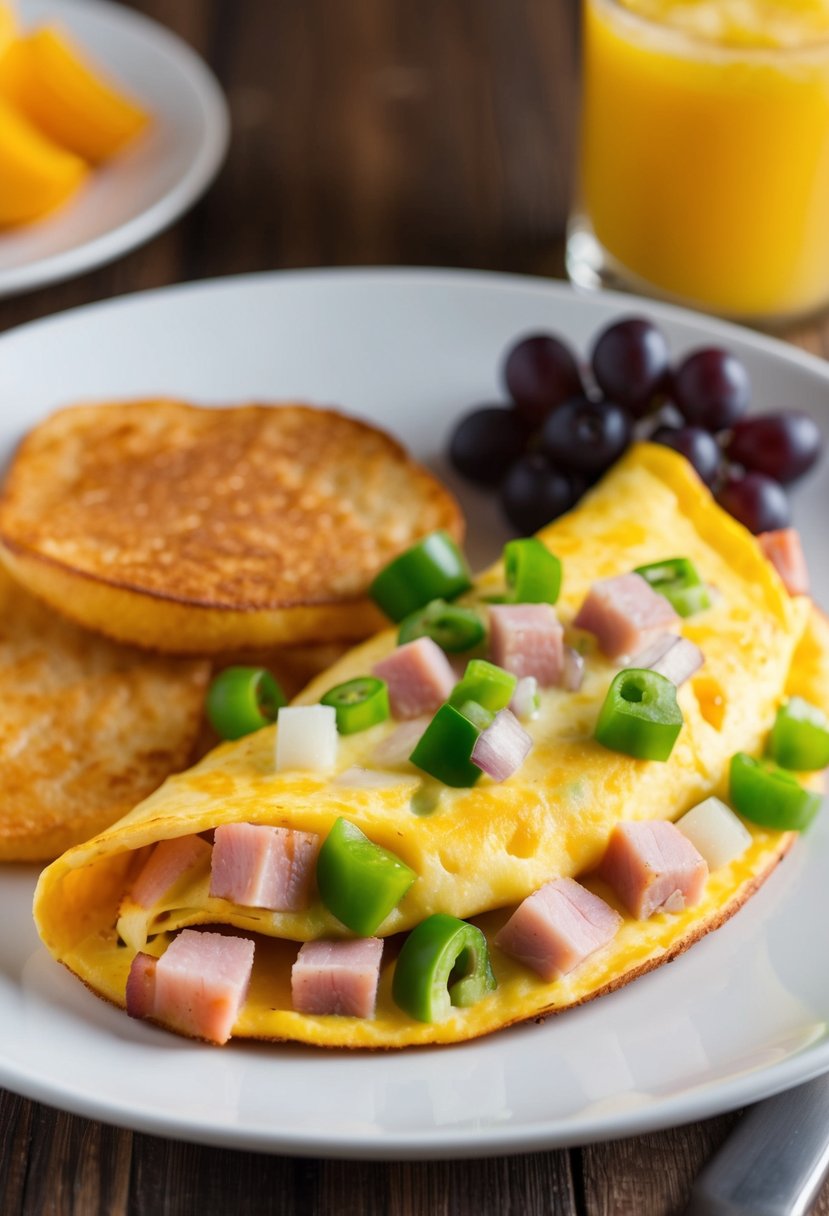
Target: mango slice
point(35, 175)
point(49, 81)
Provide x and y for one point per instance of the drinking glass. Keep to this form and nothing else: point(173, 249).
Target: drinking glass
point(704, 154)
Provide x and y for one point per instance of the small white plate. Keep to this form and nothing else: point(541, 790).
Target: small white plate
point(741, 1015)
point(146, 187)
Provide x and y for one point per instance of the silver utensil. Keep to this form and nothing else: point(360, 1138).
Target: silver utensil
point(775, 1160)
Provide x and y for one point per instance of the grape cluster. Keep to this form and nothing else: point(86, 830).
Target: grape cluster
point(565, 426)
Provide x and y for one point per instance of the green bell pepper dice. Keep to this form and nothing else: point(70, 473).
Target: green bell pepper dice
point(432, 569)
point(640, 715)
point(445, 747)
point(799, 738)
point(455, 629)
point(243, 699)
point(358, 703)
point(678, 580)
point(769, 796)
point(443, 962)
point(485, 684)
point(359, 881)
point(533, 573)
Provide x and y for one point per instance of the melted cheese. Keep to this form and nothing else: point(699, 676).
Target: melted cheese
point(481, 851)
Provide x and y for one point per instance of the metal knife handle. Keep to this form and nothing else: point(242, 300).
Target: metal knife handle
point(774, 1161)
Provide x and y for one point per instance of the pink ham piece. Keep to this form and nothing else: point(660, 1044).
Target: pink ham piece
point(338, 977)
point(652, 867)
point(624, 613)
point(527, 640)
point(141, 986)
point(169, 861)
point(785, 552)
point(201, 982)
point(419, 676)
point(197, 986)
point(502, 748)
point(259, 866)
point(558, 927)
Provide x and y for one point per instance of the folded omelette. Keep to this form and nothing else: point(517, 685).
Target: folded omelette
point(477, 853)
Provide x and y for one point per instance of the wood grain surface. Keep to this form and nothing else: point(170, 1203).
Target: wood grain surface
point(432, 132)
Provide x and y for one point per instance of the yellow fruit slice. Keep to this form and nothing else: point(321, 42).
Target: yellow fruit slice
point(35, 175)
point(66, 98)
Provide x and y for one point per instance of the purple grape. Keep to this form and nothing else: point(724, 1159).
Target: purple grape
point(712, 389)
point(534, 492)
point(585, 436)
point(699, 447)
point(540, 373)
point(757, 501)
point(783, 446)
point(486, 442)
point(630, 363)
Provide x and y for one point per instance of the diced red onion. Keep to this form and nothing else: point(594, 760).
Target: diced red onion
point(573, 669)
point(399, 745)
point(502, 748)
point(525, 701)
point(680, 662)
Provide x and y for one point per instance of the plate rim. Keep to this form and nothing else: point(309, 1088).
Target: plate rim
point(416, 275)
point(204, 166)
point(689, 1104)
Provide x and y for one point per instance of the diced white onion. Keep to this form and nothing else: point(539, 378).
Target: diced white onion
point(680, 662)
point(502, 748)
point(525, 702)
point(306, 738)
point(715, 832)
point(670, 656)
point(653, 652)
point(399, 745)
point(573, 670)
point(370, 779)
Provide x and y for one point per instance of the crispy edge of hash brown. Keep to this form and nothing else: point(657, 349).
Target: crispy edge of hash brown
point(196, 530)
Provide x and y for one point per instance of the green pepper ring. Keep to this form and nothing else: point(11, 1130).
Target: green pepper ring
point(241, 700)
point(443, 962)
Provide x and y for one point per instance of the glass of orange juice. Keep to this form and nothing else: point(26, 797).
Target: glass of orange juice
point(704, 161)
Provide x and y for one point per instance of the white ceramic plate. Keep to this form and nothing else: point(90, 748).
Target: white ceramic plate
point(150, 184)
point(741, 1015)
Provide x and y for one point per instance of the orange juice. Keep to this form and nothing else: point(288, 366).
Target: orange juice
point(705, 150)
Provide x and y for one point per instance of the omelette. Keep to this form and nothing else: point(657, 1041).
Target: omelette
point(477, 853)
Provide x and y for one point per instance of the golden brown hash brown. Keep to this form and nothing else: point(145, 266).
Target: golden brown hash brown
point(89, 727)
point(197, 530)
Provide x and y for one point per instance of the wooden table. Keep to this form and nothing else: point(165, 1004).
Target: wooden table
point(436, 132)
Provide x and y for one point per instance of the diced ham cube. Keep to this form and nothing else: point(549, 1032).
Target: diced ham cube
point(169, 861)
point(785, 552)
point(652, 867)
point(558, 927)
point(338, 977)
point(259, 866)
point(527, 640)
point(419, 676)
point(141, 986)
point(624, 613)
point(201, 982)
